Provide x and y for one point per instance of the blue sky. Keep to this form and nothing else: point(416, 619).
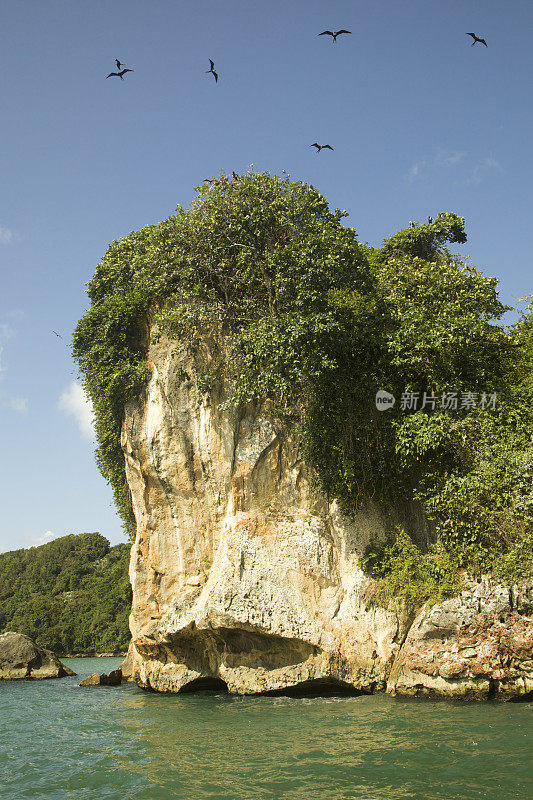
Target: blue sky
point(420, 120)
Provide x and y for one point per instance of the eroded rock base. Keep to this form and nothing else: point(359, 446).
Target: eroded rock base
point(478, 646)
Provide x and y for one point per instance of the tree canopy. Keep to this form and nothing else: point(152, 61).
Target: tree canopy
point(69, 595)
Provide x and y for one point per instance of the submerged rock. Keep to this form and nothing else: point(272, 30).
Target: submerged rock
point(22, 659)
point(114, 678)
point(243, 578)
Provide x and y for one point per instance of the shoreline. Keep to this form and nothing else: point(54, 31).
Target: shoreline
point(93, 655)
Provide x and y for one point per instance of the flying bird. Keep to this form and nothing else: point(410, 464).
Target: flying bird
point(212, 70)
point(333, 33)
point(119, 63)
point(57, 334)
point(476, 39)
point(119, 74)
point(208, 180)
point(321, 146)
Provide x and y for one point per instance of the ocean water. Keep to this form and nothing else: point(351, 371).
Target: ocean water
point(62, 742)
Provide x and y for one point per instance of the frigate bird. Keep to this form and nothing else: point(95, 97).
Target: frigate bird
point(209, 180)
point(235, 176)
point(119, 74)
point(57, 334)
point(321, 146)
point(333, 33)
point(212, 70)
point(476, 39)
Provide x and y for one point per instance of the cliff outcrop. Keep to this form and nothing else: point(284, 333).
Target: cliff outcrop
point(243, 578)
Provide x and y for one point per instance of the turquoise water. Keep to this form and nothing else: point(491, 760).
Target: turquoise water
point(62, 742)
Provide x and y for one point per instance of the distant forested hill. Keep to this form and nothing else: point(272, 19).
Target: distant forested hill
point(70, 595)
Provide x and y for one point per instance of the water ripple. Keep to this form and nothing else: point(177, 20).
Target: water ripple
point(62, 742)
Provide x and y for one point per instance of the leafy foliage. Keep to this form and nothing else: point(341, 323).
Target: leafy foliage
point(69, 595)
point(402, 571)
point(470, 470)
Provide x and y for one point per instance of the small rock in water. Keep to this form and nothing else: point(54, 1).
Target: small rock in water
point(113, 679)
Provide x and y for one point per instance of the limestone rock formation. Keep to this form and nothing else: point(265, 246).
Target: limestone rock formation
point(126, 667)
point(22, 659)
point(476, 646)
point(243, 578)
point(114, 678)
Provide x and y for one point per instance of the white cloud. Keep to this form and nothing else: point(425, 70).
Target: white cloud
point(481, 169)
point(6, 236)
point(17, 403)
point(416, 170)
point(6, 331)
point(74, 401)
point(13, 403)
point(450, 158)
point(46, 537)
point(472, 172)
point(442, 159)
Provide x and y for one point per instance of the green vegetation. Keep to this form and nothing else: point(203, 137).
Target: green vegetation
point(402, 571)
point(303, 314)
point(70, 595)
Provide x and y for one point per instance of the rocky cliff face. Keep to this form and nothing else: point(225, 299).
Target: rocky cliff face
point(242, 577)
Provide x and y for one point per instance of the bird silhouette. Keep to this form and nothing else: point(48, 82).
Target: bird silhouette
point(119, 63)
point(476, 39)
point(209, 180)
point(213, 71)
point(235, 176)
point(430, 220)
point(57, 334)
point(119, 74)
point(333, 33)
point(412, 224)
point(321, 146)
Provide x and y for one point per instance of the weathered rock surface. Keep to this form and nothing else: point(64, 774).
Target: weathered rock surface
point(242, 577)
point(20, 659)
point(126, 667)
point(114, 678)
point(476, 646)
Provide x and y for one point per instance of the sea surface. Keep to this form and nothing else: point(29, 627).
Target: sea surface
point(59, 741)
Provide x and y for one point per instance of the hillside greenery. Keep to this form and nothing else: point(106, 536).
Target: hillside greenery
point(317, 322)
point(70, 595)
